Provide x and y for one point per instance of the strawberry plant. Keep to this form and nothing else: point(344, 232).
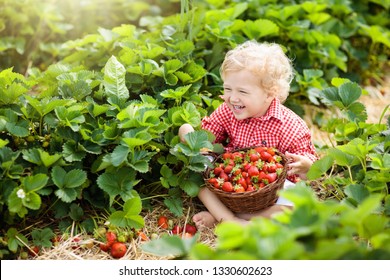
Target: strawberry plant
point(309, 231)
point(358, 164)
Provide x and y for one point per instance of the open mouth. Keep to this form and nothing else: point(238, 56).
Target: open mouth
point(237, 107)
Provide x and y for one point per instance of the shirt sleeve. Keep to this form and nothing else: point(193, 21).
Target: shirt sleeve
point(215, 123)
point(304, 146)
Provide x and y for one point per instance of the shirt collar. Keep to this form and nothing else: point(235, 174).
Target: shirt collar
point(274, 111)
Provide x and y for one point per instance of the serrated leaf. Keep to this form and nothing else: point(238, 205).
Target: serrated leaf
point(357, 112)
point(119, 182)
point(175, 205)
point(119, 155)
point(76, 213)
point(114, 79)
point(227, 233)
point(66, 195)
point(129, 217)
point(341, 158)
point(349, 93)
point(167, 246)
point(32, 201)
point(35, 182)
point(192, 183)
point(71, 153)
point(19, 128)
point(136, 137)
point(357, 192)
point(319, 167)
point(260, 28)
point(42, 237)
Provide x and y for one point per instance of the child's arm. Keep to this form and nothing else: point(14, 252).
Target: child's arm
point(298, 165)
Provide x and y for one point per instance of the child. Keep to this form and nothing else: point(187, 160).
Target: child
point(256, 80)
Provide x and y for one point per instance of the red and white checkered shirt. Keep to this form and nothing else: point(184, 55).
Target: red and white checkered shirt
point(279, 127)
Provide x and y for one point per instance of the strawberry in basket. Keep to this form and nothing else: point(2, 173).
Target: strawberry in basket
point(246, 170)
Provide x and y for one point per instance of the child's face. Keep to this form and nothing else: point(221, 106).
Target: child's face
point(244, 96)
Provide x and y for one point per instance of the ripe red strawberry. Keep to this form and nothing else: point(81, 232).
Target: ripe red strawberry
point(271, 177)
point(227, 187)
point(190, 229)
point(118, 250)
point(163, 222)
point(104, 247)
point(177, 230)
point(110, 237)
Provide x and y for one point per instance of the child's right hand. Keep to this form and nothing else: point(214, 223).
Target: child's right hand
point(183, 130)
point(298, 165)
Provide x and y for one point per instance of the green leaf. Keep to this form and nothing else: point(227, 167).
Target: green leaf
point(76, 213)
point(230, 235)
point(357, 112)
point(175, 205)
point(349, 93)
point(342, 158)
point(15, 239)
point(114, 79)
point(71, 152)
point(15, 204)
point(357, 193)
point(118, 182)
point(260, 28)
point(320, 167)
point(166, 246)
point(136, 137)
point(140, 159)
point(35, 182)
point(71, 117)
point(19, 128)
point(32, 200)
point(45, 105)
point(195, 141)
point(42, 237)
point(118, 156)
point(3, 143)
point(41, 157)
point(191, 183)
point(129, 217)
point(72, 179)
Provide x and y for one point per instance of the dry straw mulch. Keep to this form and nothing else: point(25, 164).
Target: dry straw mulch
point(88, 248)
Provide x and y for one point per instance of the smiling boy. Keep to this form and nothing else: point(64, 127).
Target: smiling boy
point(256, 81)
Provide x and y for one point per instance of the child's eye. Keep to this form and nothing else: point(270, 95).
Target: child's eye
point(243, 92)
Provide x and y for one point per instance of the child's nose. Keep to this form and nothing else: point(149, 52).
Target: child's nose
point(234, 96)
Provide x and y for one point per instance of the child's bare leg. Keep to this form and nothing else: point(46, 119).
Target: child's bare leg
point(217, 211)
point(267, 212)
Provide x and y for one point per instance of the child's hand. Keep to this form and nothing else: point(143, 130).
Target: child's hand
point(298, 165)
point(183, 130)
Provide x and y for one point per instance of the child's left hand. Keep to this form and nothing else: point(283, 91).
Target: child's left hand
point(298, 165)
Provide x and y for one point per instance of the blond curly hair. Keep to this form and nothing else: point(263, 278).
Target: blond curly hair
point(268, 61)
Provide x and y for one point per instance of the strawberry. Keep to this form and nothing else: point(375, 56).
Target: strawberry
point(118, 250)
point(177, 230)
point(163, 222)
point(190, 229)
point(227, 187)
point(104, 247)
point(271, 177)
point(110, 237)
